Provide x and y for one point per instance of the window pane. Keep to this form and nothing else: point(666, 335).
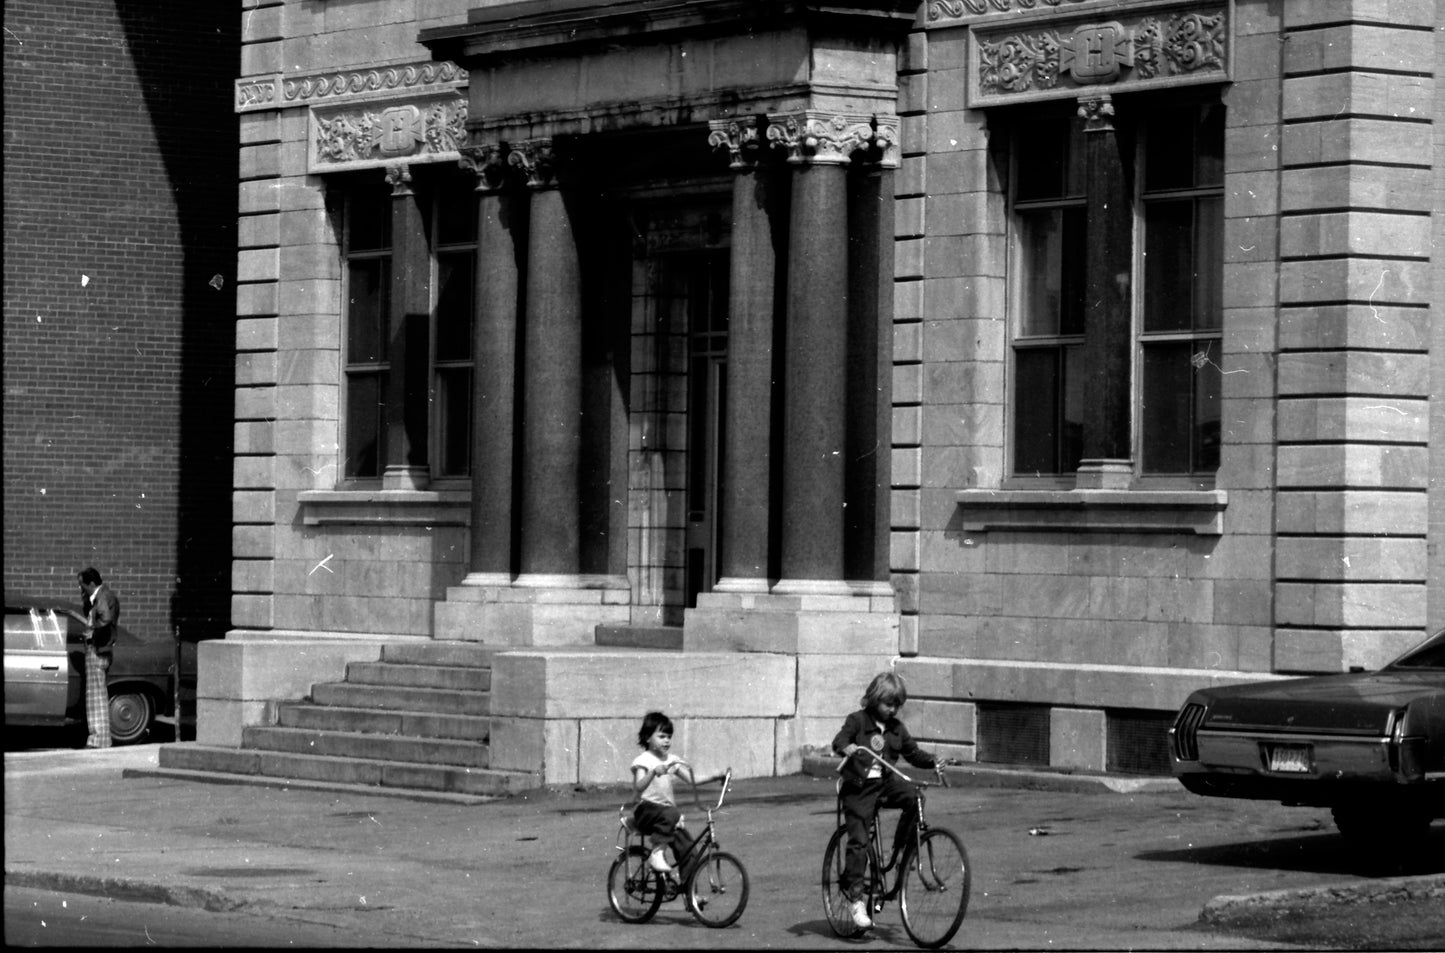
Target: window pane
point(1071, 315)
point(363, 424)
point(1051, 261)
point(1181, 424)
point(454, 306)
point(1049, 160)
point(368, 224)
point(456, 212)
point(1209, 147)
point(1168, 386)
point(453, 407)
point(1168, 264)
point(368, 285)
point(1071, 444)
point(1207, 376)
point(1209, 264)
point(1036, 401)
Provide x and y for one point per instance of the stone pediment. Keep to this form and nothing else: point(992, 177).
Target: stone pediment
point(556, 67)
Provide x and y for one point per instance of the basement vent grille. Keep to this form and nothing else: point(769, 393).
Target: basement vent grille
point(1013, 734)
point(1138, 742)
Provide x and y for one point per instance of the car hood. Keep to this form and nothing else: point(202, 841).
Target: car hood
point(1356, 703)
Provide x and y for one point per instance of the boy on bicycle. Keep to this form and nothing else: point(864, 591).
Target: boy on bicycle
point(867, 786)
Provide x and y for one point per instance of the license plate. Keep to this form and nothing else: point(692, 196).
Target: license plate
point(1289, 759)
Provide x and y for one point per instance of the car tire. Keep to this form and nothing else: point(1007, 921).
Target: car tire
point(131, 716)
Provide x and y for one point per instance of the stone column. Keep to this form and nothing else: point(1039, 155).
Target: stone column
point(815, 359)
point(868, 476)
point(501, 250)
point(551, 375)
point(1108, 289)
point(746, 534)
point(405, 467)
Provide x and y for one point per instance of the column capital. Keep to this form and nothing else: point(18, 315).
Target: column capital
point(1097, 111)
point(825, 138)
point(743, 138)
point(488, 162)
point(537, 161)
point(398, 176)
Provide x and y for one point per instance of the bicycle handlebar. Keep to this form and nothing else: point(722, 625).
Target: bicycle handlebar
point(894, 768)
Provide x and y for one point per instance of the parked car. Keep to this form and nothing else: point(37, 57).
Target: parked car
point(1368, 745)
point(45, 673)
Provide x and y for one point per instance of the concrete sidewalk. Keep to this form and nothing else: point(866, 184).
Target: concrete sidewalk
point(111, 823)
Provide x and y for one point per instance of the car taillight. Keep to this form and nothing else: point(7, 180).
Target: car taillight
point(1406, 755)
point(1186, 728)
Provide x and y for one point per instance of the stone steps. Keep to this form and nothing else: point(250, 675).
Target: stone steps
point(416, 720)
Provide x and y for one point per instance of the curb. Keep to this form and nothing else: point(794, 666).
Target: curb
point(1244, 908)
point(826, 766)
point(115, 888)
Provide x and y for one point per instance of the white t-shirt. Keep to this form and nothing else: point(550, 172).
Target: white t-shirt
point(659, 790)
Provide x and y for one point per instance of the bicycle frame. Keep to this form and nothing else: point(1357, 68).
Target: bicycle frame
point(879, 867)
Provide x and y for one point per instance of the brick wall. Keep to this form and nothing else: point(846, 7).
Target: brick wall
point(120, 164)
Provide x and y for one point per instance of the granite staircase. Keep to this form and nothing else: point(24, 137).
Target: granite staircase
point(415, 722)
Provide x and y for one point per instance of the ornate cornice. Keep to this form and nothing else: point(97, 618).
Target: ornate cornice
point(1074, 58)
point(362, 136)
point(942, 11)
point(278, 91)
point(832, 138)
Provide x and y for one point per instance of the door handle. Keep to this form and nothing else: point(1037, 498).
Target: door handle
point(50, 668)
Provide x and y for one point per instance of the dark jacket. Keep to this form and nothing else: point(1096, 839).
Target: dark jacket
point(104, 610)
point(894, 740)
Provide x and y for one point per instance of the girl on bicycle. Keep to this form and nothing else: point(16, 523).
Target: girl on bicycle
point(867, 786)
point(652, 772)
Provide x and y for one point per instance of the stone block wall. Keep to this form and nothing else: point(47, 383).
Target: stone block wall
point(305, 558)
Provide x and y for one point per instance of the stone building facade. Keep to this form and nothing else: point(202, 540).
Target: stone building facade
point(1065, 355)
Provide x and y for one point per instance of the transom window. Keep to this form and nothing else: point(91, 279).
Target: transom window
point(1174, 160)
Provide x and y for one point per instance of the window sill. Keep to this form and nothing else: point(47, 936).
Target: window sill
point(385, 507)
point(1094, 511)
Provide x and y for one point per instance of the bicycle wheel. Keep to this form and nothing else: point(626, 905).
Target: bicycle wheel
point(633, 888)
point(936, 883)
point(717, 891)
point(835, 903)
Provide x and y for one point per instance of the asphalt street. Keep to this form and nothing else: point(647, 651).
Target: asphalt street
point(1084, 868)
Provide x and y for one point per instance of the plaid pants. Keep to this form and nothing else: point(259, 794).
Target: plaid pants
point(97, 698)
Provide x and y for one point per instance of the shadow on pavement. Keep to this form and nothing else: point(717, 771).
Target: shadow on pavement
point(1323, 853)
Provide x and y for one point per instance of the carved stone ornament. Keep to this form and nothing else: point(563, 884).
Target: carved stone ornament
point(832, 139)
point(277, 90)
point(943, 10)
point(383, 133)
point(1183, 47)
point(741, 137)
point(536, 160)
point(488, 162)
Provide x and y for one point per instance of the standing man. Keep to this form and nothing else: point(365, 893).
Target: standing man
point(102, 609)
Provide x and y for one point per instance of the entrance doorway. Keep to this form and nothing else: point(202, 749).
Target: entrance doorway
point(679, 399)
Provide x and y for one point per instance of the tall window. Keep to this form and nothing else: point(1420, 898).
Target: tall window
point(448, 209)
point(367, 249)
point(1177, 218)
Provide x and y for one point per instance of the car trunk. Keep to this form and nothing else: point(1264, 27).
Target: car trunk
point(1337, 704)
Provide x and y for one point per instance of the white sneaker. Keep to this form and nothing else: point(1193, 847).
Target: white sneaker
point(659, 863)
point(859, 909)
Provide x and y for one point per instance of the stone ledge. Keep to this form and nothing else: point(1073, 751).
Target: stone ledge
point(1094, 511)
point(385, 507)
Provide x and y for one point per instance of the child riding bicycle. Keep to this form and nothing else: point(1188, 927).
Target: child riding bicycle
point(867, 786)
point(656, 813)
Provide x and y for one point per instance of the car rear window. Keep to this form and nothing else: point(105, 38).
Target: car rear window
point(1429, 655)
